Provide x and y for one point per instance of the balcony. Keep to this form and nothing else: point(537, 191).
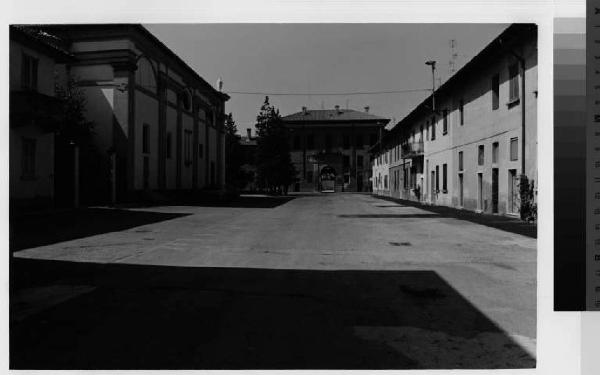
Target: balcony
point(412, 150)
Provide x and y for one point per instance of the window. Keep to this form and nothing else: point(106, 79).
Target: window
point(346, 142)
point(29, 72)
point(437, 178)
point(421, 132)
point(495, 152)
point(187, 147)
point(480, 155)
point(346, 178)
point(460, 161)
point(146, 139)
point(495, 92)
point(445, 178)
point(513, 76)
point(200, 150)
point(346, 161)
point(372, 139)
point(359, 161)
point(296, 142)
point(433, 128)
point(359, 141)
point(385, 182)
point(328, 141)
point(310, 142)
point(309, 176)
point(461, 112)
point(169, 146)
point(28, 158)
point(186, 100)
point(405, 177)
point(445, 121)
point(514, 149)
point(427, 130)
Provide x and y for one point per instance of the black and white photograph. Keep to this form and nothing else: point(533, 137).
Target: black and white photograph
point(273, 196)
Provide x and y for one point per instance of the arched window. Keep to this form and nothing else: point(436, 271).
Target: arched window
point(144, 75)
point(186, 100)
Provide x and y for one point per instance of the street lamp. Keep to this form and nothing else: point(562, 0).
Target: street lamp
point(432, 64)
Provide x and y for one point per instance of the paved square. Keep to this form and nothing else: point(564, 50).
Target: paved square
point(371, 283)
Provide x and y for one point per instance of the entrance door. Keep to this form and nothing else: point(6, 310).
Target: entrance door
point(460, 190)
point(480, 191)
point(432, 186)
point(359, 181)
point(512, 190)
point(495, 190)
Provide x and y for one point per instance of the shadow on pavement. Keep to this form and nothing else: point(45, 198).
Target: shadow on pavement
point(390, 216)
point(43, 229)
point(156, 317)
point(244, 201)
point(504, 223)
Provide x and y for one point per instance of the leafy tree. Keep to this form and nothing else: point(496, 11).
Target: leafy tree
point(235, 177)
point(274, 164)
point(76, 130)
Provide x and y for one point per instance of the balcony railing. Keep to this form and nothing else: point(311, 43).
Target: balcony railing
point(412, 150)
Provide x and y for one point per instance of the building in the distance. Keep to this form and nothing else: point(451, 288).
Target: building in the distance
point(248, 146)
point(329, 148)
point(157, 122)
point(471, 149)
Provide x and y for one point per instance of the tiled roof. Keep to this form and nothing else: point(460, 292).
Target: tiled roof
point(50, 41)
point(328, 115)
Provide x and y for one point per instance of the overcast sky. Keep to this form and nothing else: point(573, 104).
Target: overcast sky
point(323, 58)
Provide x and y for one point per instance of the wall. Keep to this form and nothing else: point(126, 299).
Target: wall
point(42, 184)
point(482, 126)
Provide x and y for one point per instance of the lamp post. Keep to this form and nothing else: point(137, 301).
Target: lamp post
point(432, 64)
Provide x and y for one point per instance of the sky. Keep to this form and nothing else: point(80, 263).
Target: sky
point(309, 59)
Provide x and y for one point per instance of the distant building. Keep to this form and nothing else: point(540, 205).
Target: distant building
point(35, 115)
point(471, 150)
point(248, 145)
point(158, 123)
point(330, 148)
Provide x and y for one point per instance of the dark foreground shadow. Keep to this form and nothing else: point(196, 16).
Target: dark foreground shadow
point(44, 229)
point(495, 221)
point(244, 201)
point(155, 317)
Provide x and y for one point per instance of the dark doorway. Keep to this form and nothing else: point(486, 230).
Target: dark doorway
point(64, 175)
point(495, 190)
point(359, 181)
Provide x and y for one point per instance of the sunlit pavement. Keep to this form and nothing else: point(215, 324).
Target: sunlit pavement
point(319, 281)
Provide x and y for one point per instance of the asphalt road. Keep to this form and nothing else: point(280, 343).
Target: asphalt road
point(319, 281)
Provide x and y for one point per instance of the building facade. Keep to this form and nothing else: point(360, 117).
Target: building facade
point(330, 148)
point(470, 150)
point(35, 115)
point(159, 124)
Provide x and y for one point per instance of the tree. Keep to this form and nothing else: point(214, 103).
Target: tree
point(76, 131)
point(274, 164)
point(235, 177)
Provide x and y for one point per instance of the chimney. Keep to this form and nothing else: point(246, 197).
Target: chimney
point(249, 132)
point(304, 110)
point(337, 109)
point(367, 109)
